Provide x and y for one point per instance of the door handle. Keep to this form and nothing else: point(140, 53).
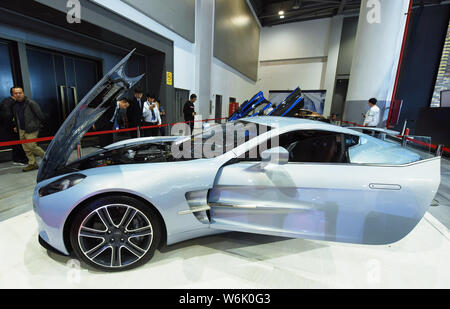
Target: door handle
point(63, 100)
point(382, 186)
point(75, 95)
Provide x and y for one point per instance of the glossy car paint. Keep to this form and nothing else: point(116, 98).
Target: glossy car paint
point(164, 185)
point(374, 203)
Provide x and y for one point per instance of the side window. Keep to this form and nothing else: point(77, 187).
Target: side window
point(312, 147)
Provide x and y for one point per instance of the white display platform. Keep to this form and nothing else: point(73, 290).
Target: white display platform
point(237, 260)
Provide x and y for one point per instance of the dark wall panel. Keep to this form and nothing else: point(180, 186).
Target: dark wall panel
point(236, 36)
point(346, 49)
point(435, 122)
point(177, 15)
point(426, 36)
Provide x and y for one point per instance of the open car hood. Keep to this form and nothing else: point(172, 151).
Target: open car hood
point(290, 105)
point(83, 117)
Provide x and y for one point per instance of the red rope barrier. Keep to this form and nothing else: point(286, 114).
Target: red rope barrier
point(445, 149)
point(46, 139)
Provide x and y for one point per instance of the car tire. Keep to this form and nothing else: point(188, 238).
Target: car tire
point(115, 233)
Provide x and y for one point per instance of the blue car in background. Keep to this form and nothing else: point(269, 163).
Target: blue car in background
point(251, 107)
point(290, 106)
point(260, 106)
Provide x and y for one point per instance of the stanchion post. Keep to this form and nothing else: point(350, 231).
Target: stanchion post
point(404, 141)
point(79, 151)
point(439, 150)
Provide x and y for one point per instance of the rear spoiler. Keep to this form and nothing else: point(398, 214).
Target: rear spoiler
point(379, 130)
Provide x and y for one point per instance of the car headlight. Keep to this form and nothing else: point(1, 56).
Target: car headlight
point(61, 184)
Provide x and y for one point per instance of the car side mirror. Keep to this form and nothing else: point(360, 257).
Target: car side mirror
point(277, 156)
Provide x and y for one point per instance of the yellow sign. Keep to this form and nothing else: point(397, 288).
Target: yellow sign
point(169, 78)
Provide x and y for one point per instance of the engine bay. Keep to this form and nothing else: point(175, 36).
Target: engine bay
point(133, 154)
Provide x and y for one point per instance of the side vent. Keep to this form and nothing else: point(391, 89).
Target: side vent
point(198, 205)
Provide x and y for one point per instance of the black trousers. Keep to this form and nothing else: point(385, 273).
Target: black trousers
point(105, 139)
point(162, 130)
point(151, 131)
point(134, 134)
point(191, 124)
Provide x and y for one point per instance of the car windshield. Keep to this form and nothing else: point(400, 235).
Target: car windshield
point(221, 138)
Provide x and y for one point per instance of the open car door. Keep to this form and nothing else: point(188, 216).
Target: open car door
point(260, 110)
point(290, 106)
point(246, 107)
point(369, 204)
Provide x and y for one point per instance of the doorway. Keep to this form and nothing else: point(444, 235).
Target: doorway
point(58, 82)
point(7, 81)
point(6, 71)
point(218, 113)
point(181, 97)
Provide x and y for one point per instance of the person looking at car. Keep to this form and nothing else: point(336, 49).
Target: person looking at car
point(162, 112)
point(28, 117)
point(372, 117)
point(151, 116)
point(134, 112)
point(110, 120)
point(7, 126)
point(189, 111)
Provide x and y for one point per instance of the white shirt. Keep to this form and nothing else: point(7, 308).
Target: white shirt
point(148, 115)
point(372, 117)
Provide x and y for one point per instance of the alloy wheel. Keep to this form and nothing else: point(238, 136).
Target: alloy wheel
point(115, 236)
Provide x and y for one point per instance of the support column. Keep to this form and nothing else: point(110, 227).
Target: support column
point(332, 62)
point(204, 53)
point(378, 44)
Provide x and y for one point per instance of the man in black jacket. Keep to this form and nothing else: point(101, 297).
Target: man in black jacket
point(7, 123)
point(134, 112)
point(189, 111)
point(28, 117)
point(110, 120)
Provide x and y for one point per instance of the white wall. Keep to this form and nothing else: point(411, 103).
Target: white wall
point(289, 75)
point(296, 40)
point(293, 55)
point(227, 82)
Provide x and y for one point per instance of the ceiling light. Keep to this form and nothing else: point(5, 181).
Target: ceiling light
point(281, 13)
point(297, 4)
point(240, 20)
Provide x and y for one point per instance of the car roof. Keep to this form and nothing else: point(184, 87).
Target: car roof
point(292, 123)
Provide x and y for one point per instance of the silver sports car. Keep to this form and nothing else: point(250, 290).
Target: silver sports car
point(269, 175)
